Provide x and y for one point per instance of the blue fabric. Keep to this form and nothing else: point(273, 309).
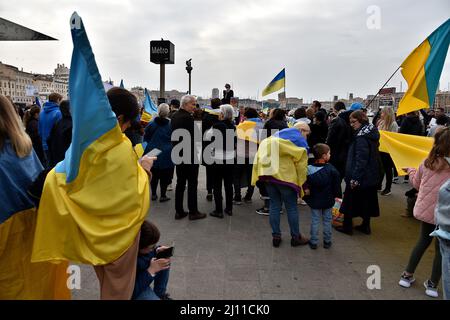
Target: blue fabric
point(16, 175)
point(316, 216)
point(149, 106)
point(38, 103)
point(439, 41)
point(293, 135)
point(324, 183)
point(92, 115)
point(142, 290)
point(356, 106)
point(255, 120)
point(279, 76)
point(444, 246)
point(49, 115)
point(280, 194)
point(157, 135)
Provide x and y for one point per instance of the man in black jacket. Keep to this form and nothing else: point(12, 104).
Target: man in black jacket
point(183, 126)
point(338, 139)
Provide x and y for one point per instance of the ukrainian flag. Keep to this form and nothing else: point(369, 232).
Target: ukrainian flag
point(95, 200)
point(282, 158)
point(276, 84)
point(422, 70)
point(150, 109)
point(250, 130)
point(407, 151)
point(19, 277)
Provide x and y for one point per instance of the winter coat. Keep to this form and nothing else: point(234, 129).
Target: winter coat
point(363, 157)
point(324, 184)
point(228, 132)
point(33, 132)
point(184, 120)
point(208, 121)
point(428, 182)
point(59, 140)
point(49, 115)
point(272, 125)
point(338, 139)
point(412, 125)
point(157, 135)
point(318, 134)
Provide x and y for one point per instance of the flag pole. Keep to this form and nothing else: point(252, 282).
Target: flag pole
point(384, 85)
point(285, 97)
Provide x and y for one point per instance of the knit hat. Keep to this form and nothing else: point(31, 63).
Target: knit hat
point(356, 106)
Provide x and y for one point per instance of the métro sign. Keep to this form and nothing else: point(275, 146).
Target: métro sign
point(162, 52)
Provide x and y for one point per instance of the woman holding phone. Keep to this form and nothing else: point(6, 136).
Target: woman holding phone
point(157, 135)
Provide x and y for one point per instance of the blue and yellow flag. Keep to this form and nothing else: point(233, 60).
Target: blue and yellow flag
point(407, 151)
point(276, 84)
point(95, 200)
point(121, 84)
point(422, 70)
point(282, 158)
point(150, 109)
point(19, 277)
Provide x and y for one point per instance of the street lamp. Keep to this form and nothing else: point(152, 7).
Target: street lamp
point(189, 69)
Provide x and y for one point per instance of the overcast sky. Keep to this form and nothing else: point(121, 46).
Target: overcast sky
point(325, 46)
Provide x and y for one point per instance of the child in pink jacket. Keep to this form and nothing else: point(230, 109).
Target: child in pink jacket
point(430, 176)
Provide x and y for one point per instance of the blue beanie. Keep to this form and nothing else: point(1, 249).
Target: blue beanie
point(356, 106)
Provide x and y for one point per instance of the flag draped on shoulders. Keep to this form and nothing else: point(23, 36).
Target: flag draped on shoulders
point(282, 158)
point(407, 151)
point(95, 200)
point(422, 70)
point(250, 130)
point(19, 277)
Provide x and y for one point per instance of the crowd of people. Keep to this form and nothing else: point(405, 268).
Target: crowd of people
point(318, 149)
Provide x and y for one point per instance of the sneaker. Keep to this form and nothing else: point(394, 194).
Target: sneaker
point(164, 199)
point(169, 187)
point(216, 214)
point(431, 289)
point(406, 280)
point(299, 241)
point(327, 245)
point(196, 216)
point(313, 246)
point(276, 241)
point(385, 192)
point(395, 180)
point(263, 211)
point(301, 201)
point(209, 197)
point(180, 215)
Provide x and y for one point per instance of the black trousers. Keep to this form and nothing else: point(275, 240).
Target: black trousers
point(209, 178)
point(388, 166)
point(163, 176)
point(186, 173)
point(242, 178)
point(223, 173)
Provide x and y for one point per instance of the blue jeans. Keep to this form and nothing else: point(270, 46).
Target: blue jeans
point(280, 194)
point(445, 253)
point(159, 287)
point(326, 215)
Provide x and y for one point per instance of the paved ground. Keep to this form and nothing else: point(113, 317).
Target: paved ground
point(233, 258)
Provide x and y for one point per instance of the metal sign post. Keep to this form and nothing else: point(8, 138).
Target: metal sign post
point(162, 52)
point(189, 69)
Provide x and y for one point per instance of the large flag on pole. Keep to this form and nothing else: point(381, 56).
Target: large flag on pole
point(95, 200)
point(422, 70)
point(276, 84)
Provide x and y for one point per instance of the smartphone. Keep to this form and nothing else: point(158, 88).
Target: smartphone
point(164, 254)
point(153, 153)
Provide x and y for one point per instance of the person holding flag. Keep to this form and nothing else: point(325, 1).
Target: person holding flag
point(94, 201)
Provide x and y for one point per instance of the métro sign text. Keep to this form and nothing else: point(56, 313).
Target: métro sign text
point(162, 52)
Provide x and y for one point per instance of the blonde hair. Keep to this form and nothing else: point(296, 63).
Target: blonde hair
point(389, 118)
point(11, 128)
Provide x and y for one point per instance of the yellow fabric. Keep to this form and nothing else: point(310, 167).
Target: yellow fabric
point(146, 117)
point(19, 278)
point(139, 149)
point(413, 70)
point(274, 86)
point(95, 218)
point(407, 151)
point(246, 131)
point(282, 160)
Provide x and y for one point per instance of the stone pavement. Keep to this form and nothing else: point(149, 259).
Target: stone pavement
point(233, 258)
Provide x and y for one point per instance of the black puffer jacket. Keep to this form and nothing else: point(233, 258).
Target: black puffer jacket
point(338, 139)
point(363, 157)
point(412, 125)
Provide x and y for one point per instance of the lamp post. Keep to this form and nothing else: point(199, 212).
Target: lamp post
point(189, 69)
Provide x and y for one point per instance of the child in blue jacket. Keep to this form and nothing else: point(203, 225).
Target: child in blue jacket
point(149, 269)
point(322, 186)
